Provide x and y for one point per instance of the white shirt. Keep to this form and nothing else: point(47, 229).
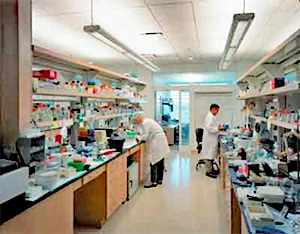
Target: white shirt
point(210, 137)
point(156, 141)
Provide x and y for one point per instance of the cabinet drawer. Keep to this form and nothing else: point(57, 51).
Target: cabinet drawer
point(77, 184)
point(134, 150)
point(93, 175)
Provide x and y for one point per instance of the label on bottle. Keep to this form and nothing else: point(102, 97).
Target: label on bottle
point(55, 124)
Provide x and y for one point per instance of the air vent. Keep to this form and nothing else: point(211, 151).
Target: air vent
point(158, 36)
point(149, 56)
point(152, 33)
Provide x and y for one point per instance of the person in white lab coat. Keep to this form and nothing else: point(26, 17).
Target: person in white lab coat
point(157, 149)
point(210, 138)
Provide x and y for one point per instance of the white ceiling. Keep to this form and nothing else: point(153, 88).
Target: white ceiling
point(197, 28)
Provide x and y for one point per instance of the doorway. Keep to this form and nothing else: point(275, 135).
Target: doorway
point(172, 112)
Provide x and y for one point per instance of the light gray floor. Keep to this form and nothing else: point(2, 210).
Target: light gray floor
point(187, 202)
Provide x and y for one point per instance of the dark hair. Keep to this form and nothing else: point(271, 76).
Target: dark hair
point(214, 106)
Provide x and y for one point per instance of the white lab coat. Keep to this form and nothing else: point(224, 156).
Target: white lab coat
point(210, 137)
point(157, 146)
point(156, 141)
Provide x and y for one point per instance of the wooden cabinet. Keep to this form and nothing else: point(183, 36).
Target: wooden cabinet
point(123, 178)
point(53, 215)
point(134, 150)
point(116, 183)
point(90, 199)
point(93, 175)
point(141, 161)
point(77, 184)
point(138, 156)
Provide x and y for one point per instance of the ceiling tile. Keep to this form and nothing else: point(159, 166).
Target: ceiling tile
point(50, 33)
point(73, 6)
point(179, 26)
point(58, 25)
point(60, 7)
point(165, 2)
point(120, 4)
point(289, 6)
point(214, 8)
point(176, 11)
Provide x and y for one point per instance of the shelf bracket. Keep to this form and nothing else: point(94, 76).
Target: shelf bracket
point(254, 83)
point(243, 85)
point(273, 70)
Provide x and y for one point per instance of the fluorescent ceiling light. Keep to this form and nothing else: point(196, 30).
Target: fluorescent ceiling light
point(230, 54)
point(225, 65)
point(238, 30)
point(134, 58)
point(107, 42)
point(102, 35)
point(150, 68)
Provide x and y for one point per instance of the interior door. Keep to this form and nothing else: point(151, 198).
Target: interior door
point(180, 113)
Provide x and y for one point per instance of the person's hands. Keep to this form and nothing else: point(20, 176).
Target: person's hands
point(137, 138)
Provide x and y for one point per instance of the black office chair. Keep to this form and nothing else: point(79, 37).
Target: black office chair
point(199, 138)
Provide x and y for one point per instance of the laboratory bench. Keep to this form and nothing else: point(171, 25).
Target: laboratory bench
point(88, 198)
point(172, 133)
point(241, 221)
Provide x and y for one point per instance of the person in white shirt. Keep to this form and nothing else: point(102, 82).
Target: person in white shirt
point(210, 138)
point(157, 149)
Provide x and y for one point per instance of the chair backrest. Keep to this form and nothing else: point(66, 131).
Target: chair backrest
point(199, 135)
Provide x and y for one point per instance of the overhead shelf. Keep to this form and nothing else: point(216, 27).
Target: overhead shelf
point(282, 90)
point(276, 122)
point(284, 57)
point(52, 125)
point(56, 125)
point(57, 58)
point(99, 117)
point(72, 93)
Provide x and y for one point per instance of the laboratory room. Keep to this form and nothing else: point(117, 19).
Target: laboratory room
point(150, 116)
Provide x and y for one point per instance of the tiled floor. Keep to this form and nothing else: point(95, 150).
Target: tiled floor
point(187, 202)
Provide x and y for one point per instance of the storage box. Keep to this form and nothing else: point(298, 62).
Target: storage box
point(13, 183)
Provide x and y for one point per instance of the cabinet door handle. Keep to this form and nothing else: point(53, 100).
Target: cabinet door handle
point(130, 183)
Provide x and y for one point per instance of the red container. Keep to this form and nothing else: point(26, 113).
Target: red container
point(45, 74)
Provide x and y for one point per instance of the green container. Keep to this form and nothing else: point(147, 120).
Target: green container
point(79, 166)
point(131, 134)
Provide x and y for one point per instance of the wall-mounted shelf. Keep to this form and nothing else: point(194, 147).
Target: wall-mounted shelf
point(275, 122)
point(46, 58)
point(284, 58)
point(52, 125)
point(282, 90)
point(55, 125)
point(53, 57)
point(138, 101)
point(72, 93)
point(99, 117)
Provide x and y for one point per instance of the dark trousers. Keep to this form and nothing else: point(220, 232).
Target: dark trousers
point(157, 171)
